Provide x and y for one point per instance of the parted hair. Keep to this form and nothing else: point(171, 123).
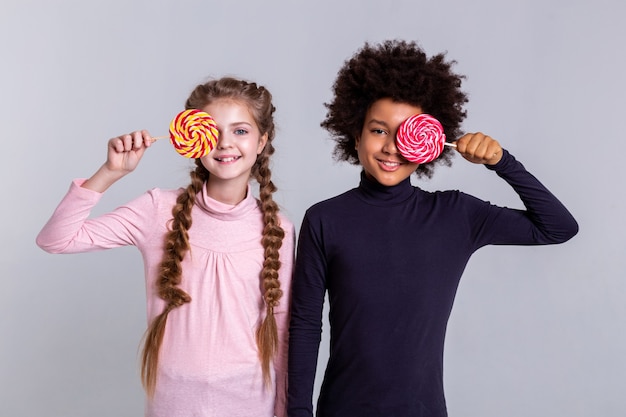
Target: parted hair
point(259, 101)
point(401, 71)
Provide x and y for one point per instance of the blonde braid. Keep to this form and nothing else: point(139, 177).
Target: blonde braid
point(273, 234)
point(170, 275)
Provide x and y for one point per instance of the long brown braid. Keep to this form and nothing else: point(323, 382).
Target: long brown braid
point(259, 101)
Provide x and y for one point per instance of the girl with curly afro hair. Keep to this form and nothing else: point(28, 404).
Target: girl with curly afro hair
point(399, 71)
point(391, 255)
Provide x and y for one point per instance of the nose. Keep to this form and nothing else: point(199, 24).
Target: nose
point(224, 141)
point(389, 147)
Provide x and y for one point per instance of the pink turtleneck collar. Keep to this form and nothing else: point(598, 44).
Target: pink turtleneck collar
point(225, 211)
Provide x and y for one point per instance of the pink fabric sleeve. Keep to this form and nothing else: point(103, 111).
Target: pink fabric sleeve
point(282, 318)
point(70, 231)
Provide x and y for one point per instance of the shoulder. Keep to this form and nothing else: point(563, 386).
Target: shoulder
point(333, 205)
point(165, 193)
point(453, 201)
point(155, 203)
point(445, 195)
point(161, 196)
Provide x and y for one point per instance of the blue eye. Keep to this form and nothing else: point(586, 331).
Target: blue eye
point(240, 131)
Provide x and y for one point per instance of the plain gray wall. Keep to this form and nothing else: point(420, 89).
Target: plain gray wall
point(534, 332)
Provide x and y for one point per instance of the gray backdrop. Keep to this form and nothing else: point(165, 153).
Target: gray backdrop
point(534, 332)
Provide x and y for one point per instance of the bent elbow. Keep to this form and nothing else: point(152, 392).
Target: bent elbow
point(565, 233)
point(573, 230)
point(47, 245)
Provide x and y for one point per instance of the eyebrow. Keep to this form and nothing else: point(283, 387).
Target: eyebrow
point(234, 124)
point(380, 122)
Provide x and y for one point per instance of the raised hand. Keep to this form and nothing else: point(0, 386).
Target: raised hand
point(125, 152)
point(123, 155)
point(479, 148)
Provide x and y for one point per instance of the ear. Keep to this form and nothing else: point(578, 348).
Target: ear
point(357, 140)
point(262, 143)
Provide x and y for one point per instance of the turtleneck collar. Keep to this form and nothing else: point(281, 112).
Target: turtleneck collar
point(223, 211)
point(373, 192)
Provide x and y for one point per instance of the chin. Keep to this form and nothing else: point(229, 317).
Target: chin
point(387, 181)
point(390, 183)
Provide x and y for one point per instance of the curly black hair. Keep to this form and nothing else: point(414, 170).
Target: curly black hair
point(399, 70)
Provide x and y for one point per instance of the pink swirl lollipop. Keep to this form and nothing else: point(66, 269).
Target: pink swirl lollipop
point(420, 138)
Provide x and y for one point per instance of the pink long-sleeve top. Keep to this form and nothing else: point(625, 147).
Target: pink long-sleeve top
point(208, 363)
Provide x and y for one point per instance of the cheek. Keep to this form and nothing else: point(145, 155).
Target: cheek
point(366, 146)
point(262, 143)
point(360, 143)
point(205, 162)
point(358, 138)
point(362, 154)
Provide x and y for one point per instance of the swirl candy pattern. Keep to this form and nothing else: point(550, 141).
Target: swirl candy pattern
point(193, 133)
point(420, 138)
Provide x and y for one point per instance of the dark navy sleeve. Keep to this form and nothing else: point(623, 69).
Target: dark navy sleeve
point(308, 291)
point(544, 221)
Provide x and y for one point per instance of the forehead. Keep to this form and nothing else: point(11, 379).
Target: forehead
point(229, 108)
point(389, 111)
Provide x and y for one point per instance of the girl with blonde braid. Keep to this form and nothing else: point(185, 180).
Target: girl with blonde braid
point(218, 261)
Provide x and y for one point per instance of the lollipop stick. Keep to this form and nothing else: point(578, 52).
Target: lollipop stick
point(155, 138)
point(450, 144)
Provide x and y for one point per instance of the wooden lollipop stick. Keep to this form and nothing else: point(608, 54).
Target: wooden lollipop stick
point(155, 138)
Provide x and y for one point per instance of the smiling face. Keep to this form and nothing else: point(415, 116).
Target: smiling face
point(376, 146)
point(238, 145)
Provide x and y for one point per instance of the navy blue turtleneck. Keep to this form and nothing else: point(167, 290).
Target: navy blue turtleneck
point(391, 259)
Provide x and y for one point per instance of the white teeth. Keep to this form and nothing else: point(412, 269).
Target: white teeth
point(390, 164)
point(229, 159)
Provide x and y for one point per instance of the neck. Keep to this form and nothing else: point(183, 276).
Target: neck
point(375, 193)
point(227, 192)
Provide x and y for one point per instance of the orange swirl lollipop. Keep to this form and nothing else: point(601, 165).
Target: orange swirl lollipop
point(193, 133)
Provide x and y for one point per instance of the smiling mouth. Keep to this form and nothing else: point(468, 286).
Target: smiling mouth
point(390, 164)
point(228, 159)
